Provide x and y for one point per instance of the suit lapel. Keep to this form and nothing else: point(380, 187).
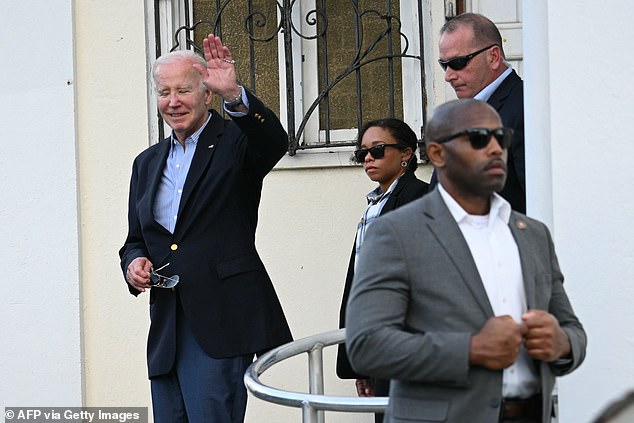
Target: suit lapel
point(204, 151)
point(518, 227)
point(390, 204)
point(502, 92)
point(155, 172)
point(449, 236)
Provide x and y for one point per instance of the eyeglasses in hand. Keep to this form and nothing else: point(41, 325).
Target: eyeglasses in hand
point(159, 281)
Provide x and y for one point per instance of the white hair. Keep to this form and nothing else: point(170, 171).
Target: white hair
point(178, 56)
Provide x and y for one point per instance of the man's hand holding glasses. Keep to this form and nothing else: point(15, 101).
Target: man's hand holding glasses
point(160, 281)
point(141, 275)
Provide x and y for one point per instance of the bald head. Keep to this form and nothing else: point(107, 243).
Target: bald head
point(458, 115)
point(469, 167)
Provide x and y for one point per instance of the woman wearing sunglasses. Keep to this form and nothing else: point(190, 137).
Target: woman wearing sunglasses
point(386, 151)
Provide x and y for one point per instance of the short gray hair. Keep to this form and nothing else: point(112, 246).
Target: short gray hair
point(178, 56)
point(484, 30)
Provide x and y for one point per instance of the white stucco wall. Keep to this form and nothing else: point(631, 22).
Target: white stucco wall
point(39, 258)
point(579, 109)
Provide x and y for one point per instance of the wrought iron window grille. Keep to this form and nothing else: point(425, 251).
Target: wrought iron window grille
point(365, 53)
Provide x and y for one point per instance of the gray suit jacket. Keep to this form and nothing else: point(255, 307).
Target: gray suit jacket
point(416, 300)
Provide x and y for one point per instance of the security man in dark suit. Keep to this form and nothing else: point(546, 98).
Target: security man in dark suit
point(193, 211)
point(472, 56)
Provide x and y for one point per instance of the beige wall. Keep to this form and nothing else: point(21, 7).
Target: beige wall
point(307, 224)
point(112, 129)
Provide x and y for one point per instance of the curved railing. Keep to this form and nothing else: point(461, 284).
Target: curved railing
point(314, 403)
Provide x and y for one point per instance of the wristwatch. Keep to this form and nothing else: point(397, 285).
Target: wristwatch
point(232, 104)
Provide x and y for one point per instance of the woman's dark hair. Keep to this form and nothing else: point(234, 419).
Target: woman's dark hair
point(401, 132)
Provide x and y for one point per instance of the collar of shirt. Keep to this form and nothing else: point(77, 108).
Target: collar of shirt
point(499, 207)
point(376, 201)
point(486, 93)
point(193, 138)
point(376, 195)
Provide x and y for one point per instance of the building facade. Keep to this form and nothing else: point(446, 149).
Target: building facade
point(77, 108)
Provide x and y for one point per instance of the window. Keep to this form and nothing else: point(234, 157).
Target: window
point(325, 66)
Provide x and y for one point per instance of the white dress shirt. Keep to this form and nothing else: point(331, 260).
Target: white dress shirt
point(488, 91)
point(498, 261)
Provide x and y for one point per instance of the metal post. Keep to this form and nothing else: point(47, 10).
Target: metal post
point(309, 414)
point(316, 374)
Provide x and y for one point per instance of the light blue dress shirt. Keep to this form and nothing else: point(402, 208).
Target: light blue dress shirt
point(170, 189)
point(179, 159)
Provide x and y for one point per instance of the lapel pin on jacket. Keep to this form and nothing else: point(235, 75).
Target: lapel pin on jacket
point(521, 224)
point(211, 146)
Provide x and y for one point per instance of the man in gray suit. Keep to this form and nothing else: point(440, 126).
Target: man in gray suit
point(458, 299)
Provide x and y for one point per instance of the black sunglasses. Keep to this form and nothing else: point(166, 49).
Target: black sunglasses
point(479, 137)
point(378, 151)
point(461, 62)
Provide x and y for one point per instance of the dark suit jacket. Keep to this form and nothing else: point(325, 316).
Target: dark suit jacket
point(224, 289)
point(508, 100)
point(411, 314)
point(408, 188)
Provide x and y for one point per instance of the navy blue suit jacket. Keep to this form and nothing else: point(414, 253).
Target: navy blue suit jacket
point(508, 100)
point(224, 289)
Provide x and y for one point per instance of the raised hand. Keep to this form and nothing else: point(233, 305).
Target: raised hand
point(220, 75)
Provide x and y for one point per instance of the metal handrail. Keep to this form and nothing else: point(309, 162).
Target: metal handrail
point(314, 403)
